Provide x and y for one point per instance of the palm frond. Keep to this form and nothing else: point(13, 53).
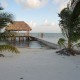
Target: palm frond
point(70, 28)
point(61, 42)
point(9, 48)
point(5, 18)
point(6, 34)
point(1, 8)
point(78, 45)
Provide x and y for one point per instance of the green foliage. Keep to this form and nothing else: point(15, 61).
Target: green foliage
point(70, 28)
point(1, 8)
point(9, 48)
point(61, 42)
point(78, 45)
point(6, 34)
point(5, 19)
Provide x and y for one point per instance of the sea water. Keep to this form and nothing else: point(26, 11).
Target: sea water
point(51, 37)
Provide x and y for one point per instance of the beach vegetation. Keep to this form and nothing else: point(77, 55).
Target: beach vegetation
point(71, 31)
point(61, 42)
point(5, 19)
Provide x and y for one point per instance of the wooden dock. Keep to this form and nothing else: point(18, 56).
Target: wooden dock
point(20, 38)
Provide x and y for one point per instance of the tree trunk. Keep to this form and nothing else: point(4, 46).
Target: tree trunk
point(69, 43)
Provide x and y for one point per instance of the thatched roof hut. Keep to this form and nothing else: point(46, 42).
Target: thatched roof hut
point(18, 26)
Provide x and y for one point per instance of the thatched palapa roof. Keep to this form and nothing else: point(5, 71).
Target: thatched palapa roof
point(18, 26)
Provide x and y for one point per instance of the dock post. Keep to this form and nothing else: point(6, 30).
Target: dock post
point(28, 36)
point(23, 38)
point(11, 38)
point(19, 39)
point(14, 38)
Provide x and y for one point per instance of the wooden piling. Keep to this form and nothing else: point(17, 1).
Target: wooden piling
point(19, 38)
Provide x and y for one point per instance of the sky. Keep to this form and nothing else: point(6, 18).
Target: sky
point(41, 15)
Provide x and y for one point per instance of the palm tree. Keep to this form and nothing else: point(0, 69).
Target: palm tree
point(70, 28)
point(5, 19)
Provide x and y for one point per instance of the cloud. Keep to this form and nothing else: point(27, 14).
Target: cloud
point(46, 26)
point(33, 4)
point(32, 24)
point(61, 3)
point(4, 4)
point(57, 1)
point(47, 29)
point(47, 23)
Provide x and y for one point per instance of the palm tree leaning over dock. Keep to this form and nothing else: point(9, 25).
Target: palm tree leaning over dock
point(5, 19)
point(71, 30)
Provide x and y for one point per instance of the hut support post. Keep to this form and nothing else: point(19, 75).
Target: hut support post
point(11, 38)
point(23, 38)
point(19, 39)
point(28, 35)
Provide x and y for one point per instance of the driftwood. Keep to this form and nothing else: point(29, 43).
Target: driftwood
point(67, 52)
point(1, 55)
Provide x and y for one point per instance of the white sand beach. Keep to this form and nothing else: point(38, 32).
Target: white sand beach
point(39, 64)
